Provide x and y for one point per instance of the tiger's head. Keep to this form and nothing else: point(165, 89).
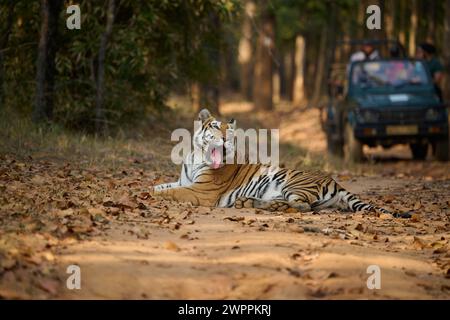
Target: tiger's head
point(214, 139)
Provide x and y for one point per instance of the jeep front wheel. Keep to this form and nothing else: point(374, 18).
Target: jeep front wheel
point(441, 150)
point(419, 150)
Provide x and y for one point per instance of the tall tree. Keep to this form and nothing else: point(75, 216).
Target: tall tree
point(361, 18)
point(389, 19)
point(326, 49)
point(379, 33)
point(431, 22)
point(45, 67)
point(4, 37)
point(402, 8)
point(100, 121)
point(263, 73)
point(413, 28)
point(289, 73)
point(209, 90)
point(246, 50)
point(299, 80)
point(320, 66)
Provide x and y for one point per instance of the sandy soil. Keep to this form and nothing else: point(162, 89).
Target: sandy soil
point(243, 254)
point(130, 246)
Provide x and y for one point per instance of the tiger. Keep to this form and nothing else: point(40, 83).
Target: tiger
point(214, 183)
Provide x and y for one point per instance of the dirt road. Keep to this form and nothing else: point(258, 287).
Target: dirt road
point(130, 246)
point(248, 254)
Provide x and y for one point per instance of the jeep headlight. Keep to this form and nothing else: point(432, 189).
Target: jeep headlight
point(368, 116)
point(432, 115)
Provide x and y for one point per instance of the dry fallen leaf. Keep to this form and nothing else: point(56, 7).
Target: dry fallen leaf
point(169, 245)
point(388, 198)
point(49, 285)
point(417, 205)
point(418, 244)
point(49, 256)
point(7, 263)
point(234, 218)
point(95, 211)
point(296, 229)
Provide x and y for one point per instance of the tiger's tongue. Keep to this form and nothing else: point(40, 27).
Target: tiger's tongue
point(216, 158)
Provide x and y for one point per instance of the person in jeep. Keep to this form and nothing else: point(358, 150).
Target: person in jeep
point(367, 52)
point(427, 52)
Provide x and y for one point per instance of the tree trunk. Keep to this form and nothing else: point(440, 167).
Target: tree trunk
point(100, 120)
point(246, 51)
point(346, 50)
point(320, 67)
point(312, 47)
point(209, 97)
point(288, 76)
point(263, 73)
point(3, 43)
point(194, 90)
point(2, 79)
point(361, 18)
point(209, 91)
point(389, 19)
point(299, 80)
point(326, 51)
point(45, 66)
point(446, 51)
point(413, 29)
point(402, 23)
point(376, 33)
point(431, 22)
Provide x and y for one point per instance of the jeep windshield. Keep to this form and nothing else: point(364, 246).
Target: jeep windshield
point(392, 74)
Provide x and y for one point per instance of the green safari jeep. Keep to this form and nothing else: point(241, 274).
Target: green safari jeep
point(387, 102)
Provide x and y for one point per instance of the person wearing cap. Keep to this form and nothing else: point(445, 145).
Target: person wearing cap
point(367, 52)
point(427, 52)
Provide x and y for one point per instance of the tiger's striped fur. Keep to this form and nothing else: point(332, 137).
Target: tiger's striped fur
point(254, 185)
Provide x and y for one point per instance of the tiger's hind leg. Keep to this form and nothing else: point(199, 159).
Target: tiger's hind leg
point(269, 205)
point(299, 203)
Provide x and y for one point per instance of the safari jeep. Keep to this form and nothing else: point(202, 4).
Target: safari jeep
point(387, 102)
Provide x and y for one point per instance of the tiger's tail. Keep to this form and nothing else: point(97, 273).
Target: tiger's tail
point(351, 201)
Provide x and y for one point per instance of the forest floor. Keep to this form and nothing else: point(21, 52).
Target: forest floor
point(59, 209)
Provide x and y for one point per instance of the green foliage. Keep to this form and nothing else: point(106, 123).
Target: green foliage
point(302, 16)
point(155, 47)
point(20, 54)
point(161, 46)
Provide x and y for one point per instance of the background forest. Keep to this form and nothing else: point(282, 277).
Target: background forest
point(86, 118)
point(130, 56)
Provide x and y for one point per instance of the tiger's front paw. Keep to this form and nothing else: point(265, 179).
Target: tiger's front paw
point(243, 202)
point(277, 206)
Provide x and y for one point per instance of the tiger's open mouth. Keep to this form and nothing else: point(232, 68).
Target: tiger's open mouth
point(216, 157)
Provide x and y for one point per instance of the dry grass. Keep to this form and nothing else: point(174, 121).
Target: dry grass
point(147, 143)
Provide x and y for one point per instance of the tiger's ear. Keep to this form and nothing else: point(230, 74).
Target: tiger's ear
point(204, 114)
point(232, 123)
